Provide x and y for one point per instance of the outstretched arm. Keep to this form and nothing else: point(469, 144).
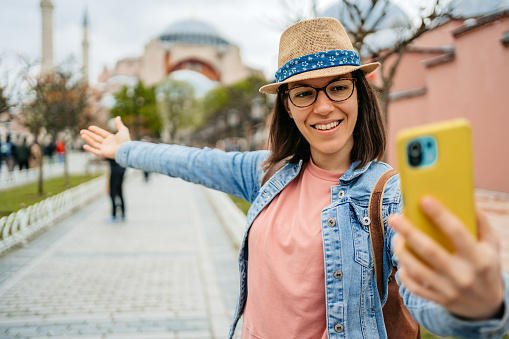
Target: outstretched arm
point(103, 143)
point(468, 283)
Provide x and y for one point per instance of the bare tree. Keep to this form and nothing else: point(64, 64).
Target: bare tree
point(372, 22)
point(51, 104)
point(4, 100)
point(5, 95)
point(32, 116)
point(365, 19)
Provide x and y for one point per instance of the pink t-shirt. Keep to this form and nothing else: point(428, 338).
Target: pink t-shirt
point(286, 283)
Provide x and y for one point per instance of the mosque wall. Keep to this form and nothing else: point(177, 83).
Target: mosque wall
point(206, 54)
point(178, 49)
point(153, 63)
point(232, 68)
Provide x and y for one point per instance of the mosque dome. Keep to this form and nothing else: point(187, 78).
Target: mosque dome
point(192, 32)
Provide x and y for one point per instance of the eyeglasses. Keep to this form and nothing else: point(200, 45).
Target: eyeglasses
point(337, 90)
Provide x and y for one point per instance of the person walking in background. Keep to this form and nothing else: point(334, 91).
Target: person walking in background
point(36, 158)
point(146, 174)
point(116, 181)
point(60, 148)
point(306, 264)
point(23, 154)
point(9, 153)
point(49, 150)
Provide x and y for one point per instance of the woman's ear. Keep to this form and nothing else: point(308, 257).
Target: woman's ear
point(287, 107)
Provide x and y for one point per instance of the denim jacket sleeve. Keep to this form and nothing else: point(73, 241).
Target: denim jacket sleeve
point(235, 173)
point(440, 321)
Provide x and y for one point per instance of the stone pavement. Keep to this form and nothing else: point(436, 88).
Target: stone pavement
point(168, 271)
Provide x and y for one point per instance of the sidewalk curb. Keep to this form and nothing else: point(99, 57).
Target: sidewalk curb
point(232, 218)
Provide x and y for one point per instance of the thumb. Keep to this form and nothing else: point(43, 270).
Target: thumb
point(118, 123)
point(484, 230)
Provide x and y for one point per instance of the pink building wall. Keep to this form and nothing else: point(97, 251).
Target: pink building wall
point(473, 85)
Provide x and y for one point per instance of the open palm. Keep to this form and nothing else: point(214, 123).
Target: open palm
point(103, 143)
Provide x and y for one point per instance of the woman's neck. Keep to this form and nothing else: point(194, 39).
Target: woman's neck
point(331, 163)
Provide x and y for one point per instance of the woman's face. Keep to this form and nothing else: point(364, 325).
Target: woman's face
point(327, 125)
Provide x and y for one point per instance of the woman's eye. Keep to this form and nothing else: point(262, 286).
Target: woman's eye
point(338, 88)
point(302, 94)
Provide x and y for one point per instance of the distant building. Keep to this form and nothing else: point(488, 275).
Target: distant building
point(47, 65)
point(460, 69)
point(185, 45)
point(85, 50)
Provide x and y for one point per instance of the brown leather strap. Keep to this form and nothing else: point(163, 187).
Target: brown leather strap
point(272, 170)
point(376, 228)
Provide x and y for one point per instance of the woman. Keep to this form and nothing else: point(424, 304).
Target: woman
point(310, 263)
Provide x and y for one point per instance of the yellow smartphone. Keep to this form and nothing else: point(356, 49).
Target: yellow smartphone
point(436, 160)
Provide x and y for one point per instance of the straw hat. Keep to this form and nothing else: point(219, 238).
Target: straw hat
point(315, 48)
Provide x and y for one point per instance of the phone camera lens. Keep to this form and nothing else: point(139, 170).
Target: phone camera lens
point(414, 153)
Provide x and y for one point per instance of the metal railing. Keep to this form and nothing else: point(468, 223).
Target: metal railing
point(19, 226)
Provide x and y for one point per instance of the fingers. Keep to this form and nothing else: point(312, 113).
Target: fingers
point(425, 247)
point(92, 135)
point(103, 133)
point(91, 140)
point(449, 224)
point(422, 279)
point(467, 282)
point(484, 231)
point(415, 287)
point(118, 123)
point(92, 150)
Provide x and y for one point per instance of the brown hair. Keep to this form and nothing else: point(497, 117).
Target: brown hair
point(286, 141)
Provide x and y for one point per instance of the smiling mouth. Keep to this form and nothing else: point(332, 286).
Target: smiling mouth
point(326, 127)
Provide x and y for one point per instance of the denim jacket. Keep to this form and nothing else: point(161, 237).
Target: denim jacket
point(353, 306)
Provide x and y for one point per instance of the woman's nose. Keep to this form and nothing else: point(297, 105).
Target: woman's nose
point(323, 105)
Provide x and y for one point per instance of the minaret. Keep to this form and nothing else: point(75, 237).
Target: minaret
point(85, 48)
point(47, 37)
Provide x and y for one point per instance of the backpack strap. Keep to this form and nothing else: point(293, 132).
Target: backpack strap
point(272, 170)
point(376, 229)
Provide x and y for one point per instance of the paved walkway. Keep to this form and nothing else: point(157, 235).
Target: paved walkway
point(168, 271)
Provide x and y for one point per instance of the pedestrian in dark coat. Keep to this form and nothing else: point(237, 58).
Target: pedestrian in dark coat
point(116, 180)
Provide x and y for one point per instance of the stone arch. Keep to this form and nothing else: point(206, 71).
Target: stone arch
point(196, 65)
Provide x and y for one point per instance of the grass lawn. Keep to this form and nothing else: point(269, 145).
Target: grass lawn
point(425, 334)
point(241, 203)
point(11, 200)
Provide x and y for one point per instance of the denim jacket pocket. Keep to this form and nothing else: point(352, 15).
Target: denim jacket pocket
point(360, 234)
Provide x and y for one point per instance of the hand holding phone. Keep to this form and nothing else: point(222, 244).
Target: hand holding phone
point(445, 252)
point(436, 160)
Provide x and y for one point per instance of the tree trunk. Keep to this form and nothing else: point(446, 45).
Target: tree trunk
point(66, 168)
point(384, 105)
point(40, 180)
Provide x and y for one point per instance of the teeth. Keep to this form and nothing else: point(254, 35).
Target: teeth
point(327, 126)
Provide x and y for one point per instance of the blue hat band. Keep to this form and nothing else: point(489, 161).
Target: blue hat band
point(318, 60)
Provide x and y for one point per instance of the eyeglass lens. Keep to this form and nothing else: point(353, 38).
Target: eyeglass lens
point(339, 90)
